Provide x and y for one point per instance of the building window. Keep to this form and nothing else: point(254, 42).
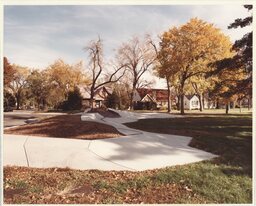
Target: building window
point(195, 103)
point(97, 104)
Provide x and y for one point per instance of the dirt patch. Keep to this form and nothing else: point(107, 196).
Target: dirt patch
point(66, 126)
point(85, 189)
point(9, 193)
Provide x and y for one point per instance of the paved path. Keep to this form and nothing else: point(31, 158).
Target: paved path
point(136, 151)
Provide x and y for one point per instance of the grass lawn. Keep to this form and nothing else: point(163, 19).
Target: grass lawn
point(205, 111)
point(226, 179)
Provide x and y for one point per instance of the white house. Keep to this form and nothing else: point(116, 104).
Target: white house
point(191, 102)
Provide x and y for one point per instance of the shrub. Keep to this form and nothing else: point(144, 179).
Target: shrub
point(113, 100)
point(74, 101)
point(9, 101)
point(145, 106)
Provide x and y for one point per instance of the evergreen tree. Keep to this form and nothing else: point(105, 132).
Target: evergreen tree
point(113, 100)
point(74, 101)
point(242, 58)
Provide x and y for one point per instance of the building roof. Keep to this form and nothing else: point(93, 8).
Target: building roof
point(100, 94)
point(147, 97)
point(189, 97)
point(85, 91)
point(157, 94)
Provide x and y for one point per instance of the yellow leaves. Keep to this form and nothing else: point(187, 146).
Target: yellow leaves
point(20, 71)
point(196, 42)
point(187, 50)
point(65, 74)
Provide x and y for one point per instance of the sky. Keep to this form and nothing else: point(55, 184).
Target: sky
point(36, 36)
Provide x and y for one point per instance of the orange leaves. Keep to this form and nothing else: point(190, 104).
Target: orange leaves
point(186, 52)
point(195, 43)
point(189, 49)
point(9, 72)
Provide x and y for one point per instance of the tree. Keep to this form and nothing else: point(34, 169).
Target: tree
point(113, 100)
point(201, 86)
point(62, 78)
point(165, 66)
point(226, 84)
point(98, 70)
point(74, 100)
point(123, 90)
point(19, 82)
point(9, 72)
point(242, 59)
point(138, 56)
point(194, 45)
point(9, 100)
point(38, 87)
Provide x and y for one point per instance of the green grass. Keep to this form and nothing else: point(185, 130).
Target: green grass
point(226, 179)
point(204, 112)
point(20, 184)
point(213, 182)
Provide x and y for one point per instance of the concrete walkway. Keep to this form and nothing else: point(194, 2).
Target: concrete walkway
point(136, 151)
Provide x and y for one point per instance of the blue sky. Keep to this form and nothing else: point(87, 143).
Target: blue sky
point(35, 36)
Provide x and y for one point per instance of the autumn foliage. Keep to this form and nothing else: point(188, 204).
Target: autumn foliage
point(186, 52)
point(236, 72)
point(193, 58)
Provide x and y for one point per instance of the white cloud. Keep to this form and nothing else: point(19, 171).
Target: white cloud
point(222, 16)
point(36, 57)
point(36, 36)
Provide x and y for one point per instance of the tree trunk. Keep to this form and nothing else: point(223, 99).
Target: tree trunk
point(227, 107)
point(169, 95)
point(240, 106)
point(248, 103)
point(17, 101)
point(171, 102)
point(178, 103)
point(217, 104)
point(204, 103)
point(18, 105)
point(182, 104)
point(200, 102)
point(91, 100)
point(132, 96)
point(91, 103)
point(182, 97)
point(38, 105)
point(131, 100)
point(194, 85)
point(92, 97)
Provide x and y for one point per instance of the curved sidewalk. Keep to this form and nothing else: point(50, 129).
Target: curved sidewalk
point(136, 151)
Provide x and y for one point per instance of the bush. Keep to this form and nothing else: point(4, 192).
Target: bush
point(144, 106)
point(9, 101)
point(74, 101)
point(113, 100)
